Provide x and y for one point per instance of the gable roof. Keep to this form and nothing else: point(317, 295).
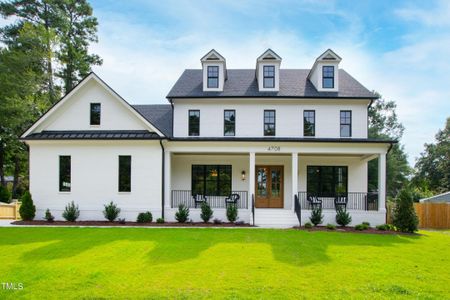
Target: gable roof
point(212, 55)
point(444, 197)
point(269, 54)
point(294, 83)
point(93, 135)
point(159, 115)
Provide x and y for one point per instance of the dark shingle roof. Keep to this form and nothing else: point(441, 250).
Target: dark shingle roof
point(242, 83)
point(93, 135)
point(160, 115)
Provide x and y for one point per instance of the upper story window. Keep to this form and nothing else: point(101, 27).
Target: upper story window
point(213, 76)
point(194, 122)
point(346, 123)
point(229, 122)
point(269, 76)
point(309, 123)
point(328, 77)
point(124, 173)
point(95, 113)
point(64, 173)
point(269, 122)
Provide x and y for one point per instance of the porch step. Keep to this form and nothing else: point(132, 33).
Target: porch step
point(275, 218)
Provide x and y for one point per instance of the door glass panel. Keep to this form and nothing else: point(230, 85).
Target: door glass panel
point(276, 182)
point(261, 178)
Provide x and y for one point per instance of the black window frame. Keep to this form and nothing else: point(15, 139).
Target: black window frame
point(268, 124)
point(320, 181)
point(221, 189)
point(65, 173)
point(191, 125)
point(230, 124)
point(349, 124)
point(312, 124)
point(213, 74)
point(94, 119)
point(269, 74)
point(326, 75)
point(124, 180)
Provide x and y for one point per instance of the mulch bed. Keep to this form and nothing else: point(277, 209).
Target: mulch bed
point(130, 224)
point(353, 230)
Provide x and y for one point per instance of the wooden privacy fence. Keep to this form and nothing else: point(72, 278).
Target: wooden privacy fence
point(10, 211)
point(433, 215)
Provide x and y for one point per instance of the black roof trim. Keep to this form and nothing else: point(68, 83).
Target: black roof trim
point(94, 135)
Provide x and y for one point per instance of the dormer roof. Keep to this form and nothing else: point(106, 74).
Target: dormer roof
point(328, 56)
point(214, 56)
point(270, 55)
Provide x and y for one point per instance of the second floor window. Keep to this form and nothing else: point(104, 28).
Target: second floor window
point(328, 77)
point(124, 173)
point(64, 173)
point(309, 123)
point(213, 76)
point(269, 76)
point(269, 123)
point(194, 123)
point(346, 123)
point(229, 122)
point(95, 113)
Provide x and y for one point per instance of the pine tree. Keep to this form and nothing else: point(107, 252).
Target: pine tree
point(405, 218)
point(27, 209)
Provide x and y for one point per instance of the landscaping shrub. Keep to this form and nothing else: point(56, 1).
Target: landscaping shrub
point(71, 212)
point(182, 214)
point(308, 225)
point(239, 222)
point(366, 223)
point(206, 213)
point(145, 217)
point(48, 216)
point(160, 220)
point(232, 212)
point(362, 227)
point(111, 211)
point(121, 220)
point(217, 221)
point(5, 195)
point(343, 218)
point(383, 227)
point(316, 216)
point(405, 218)
point(27, 209)
point(331, 226)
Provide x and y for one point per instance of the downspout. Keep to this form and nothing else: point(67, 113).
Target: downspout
point(163, 183)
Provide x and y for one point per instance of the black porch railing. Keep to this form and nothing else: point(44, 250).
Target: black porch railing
point(353, 200)
point(185, 197)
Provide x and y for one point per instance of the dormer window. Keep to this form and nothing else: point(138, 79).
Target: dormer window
point(269, 76)
point(328, 77)
point(213, 76)
point(95, 113)
point(268, 71)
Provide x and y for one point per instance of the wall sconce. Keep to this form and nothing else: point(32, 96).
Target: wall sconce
point(243, 175)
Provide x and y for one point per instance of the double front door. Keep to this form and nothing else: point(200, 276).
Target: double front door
point(269, 187)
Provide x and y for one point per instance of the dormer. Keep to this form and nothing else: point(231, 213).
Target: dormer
point(214, 71)
point(268, 71)
point(324, 74)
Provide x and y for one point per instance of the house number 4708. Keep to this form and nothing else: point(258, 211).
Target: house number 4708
point(273, 148)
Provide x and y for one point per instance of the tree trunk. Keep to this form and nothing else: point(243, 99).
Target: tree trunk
point(51, 89)
point(16, 176)
point(2, 164)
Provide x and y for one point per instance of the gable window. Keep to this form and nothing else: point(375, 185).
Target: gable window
point(328, 77)
point(269, 76)
point(194, 122)
point(95, 113)
point(269, 122)
point(327, 181)
point(309, 123)
point(64, 173)
point(213, 76)
point(229, 122)
point(211, 180)
point(124, 173)
point(346, 123)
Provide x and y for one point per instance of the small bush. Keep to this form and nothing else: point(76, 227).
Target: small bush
point(343, 218)
point(331, 226)
point(308, 225)
point(316, 216)
point(48, 216)
point(160, 220)
point(145, 217)
point(239, 222)
point(217, 221)
point(405, 218)
point(27, 209)
point(182, 214)
point(71, 212)
point(121, 221)
point(5, 195)
point(206, 213)
point(232, 212)
point(366, 223)
point(361, 227)
point(111, 211)
point(385, 227)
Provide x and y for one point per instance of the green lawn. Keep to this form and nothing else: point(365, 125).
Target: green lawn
point(130, 263)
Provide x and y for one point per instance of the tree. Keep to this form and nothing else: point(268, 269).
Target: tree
point(405, 218)
point(27, 209)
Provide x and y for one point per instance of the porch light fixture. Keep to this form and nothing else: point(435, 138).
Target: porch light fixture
point(243, 175)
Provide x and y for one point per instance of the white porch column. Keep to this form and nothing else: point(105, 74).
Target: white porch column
point(294, 177)
point(167, 179)
point(382, 182)
point(251, 178)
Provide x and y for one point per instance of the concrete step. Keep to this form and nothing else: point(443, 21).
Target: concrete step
point(275, 218)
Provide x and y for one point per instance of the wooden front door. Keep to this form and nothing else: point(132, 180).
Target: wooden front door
point(269, 187)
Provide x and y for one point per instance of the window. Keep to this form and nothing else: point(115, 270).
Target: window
point(95, 113)
point(64, 173)
point(194, 123)
point(269, 76)
point(229, 122)
point(269, 122)
point(124, 173)
point(346, 123)
point(213, 76)
point(211, 180)
point(328, 77)
point(327, 181)
point(309, 123)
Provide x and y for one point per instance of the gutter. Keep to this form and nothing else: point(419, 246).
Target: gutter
point(163, 189)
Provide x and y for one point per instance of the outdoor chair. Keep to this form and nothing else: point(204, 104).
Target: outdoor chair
point(340, 202)
point(314, 202)
point(199, 199)
point(232, 199)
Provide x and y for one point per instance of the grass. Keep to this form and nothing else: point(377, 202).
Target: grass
point(128, 263)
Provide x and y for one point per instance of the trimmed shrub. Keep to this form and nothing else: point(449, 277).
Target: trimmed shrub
point(145, 217)
point(239, 223)
point(366, 223)
point(206, 213)
point(160, 220)
point(405, 218)
point(316, 216)
point(232, 212)
point(308, 225)
point(27, 209)
point(362, 227)
point(111, 211)
point(383, 227)
point(5, 195)
point(48, 216)
point(343, 218)
point(71, 212)
point(217, 221)
point(121, 221)
point(182, 214)
point(331, 226)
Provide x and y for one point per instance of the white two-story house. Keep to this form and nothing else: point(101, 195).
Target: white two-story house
point(275, 141)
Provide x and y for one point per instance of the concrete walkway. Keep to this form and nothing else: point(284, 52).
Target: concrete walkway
point(6, 223)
